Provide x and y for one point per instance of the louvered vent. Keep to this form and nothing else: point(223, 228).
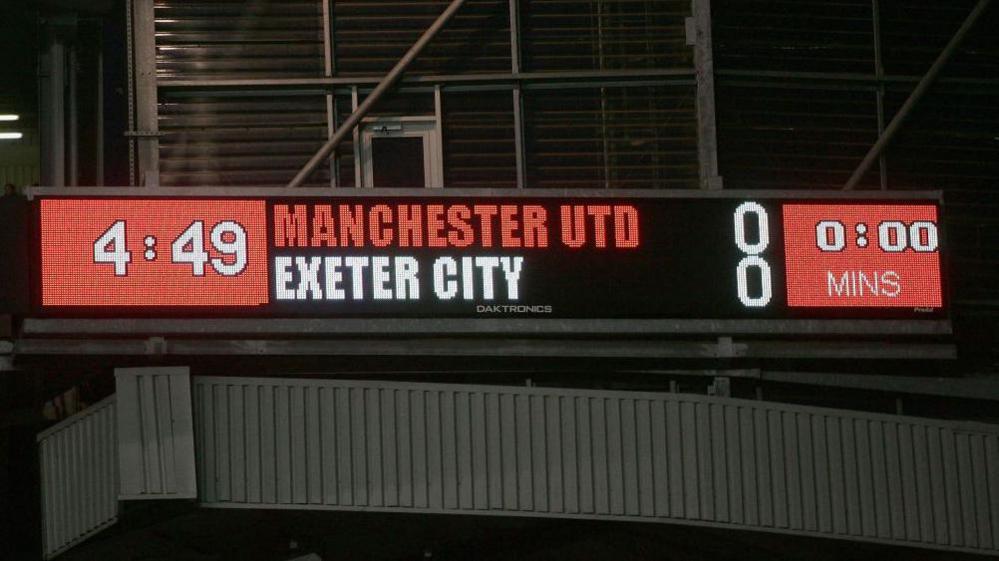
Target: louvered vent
point(479, 140)
point(240, 141)
point(950, 141)
point(795, 35)
point(915, 31)
point(370, 36)
point(199, 39)
point(793, 138)
point(604, 34)
point(402, 103)
point(640, 137)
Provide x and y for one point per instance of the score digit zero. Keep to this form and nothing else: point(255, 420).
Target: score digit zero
point(752, 258)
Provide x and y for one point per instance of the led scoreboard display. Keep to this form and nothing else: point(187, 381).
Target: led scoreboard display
point(729, 256)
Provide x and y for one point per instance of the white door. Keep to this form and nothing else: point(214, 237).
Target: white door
point(401, 152)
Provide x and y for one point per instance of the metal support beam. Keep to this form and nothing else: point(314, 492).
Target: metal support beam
point(73, 118)
point(99, 110)
point(704, 66)
point(386, 83)
point(52, 84)
point(983, 388)
point(515, 36)
point(328, 66)
point(146, 110)
point(130, 80)
point(879, 71)
point(356, 139)
point(381, 327)
point(964, 388)
point(917, 94)
point(517, 100)
point(518, 137)
point(498, 347)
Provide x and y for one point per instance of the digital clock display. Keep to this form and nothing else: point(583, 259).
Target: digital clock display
point(424, 256)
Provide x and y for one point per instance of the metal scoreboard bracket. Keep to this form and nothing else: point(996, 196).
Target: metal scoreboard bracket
point(492, 263)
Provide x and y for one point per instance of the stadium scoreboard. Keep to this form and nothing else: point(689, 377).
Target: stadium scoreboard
point(729, 256)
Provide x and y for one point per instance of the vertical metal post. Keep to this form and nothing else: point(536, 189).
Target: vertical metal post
point(518, 103)
point(53, 128)
point(605, 148)
point(439, 131)
point(603, 135)
point(147, 117)
point(518, 137)
point(337, 180)
point(99, 133)
point(130, 70)
point(328, 66)
point(704, 68)
point(879, 72)
point(73, 124)
point(515, 36)
point(358, 173)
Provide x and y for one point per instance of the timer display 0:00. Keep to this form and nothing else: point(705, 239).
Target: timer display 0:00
point(893, 236)
point(227, 237)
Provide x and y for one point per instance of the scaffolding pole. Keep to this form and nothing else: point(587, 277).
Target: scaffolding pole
point(387, 82)
point(916, 95)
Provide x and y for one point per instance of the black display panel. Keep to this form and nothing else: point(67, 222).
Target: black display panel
point(737, 256)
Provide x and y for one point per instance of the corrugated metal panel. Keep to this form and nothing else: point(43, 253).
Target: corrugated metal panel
point(79, 477)
point(634, 138)
point(370, 36)
point(479, 140)
point(238, 39)
point(795, 35)
point(235, 140)
point(603, 34)
point(915, 31)
point(155, 433)
point(794, 137)
point(277, 443)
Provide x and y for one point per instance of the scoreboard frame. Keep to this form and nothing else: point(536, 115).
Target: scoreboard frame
point(40, 323)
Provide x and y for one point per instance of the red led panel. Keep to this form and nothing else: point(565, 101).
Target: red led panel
point(103, 252)
point(862, 255)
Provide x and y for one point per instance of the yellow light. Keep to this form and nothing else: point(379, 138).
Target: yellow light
point(9, 117)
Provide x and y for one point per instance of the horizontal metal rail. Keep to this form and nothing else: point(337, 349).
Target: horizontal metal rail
point(556, 76)
point(487, 347)
point(209, 191)
point(437, 79)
